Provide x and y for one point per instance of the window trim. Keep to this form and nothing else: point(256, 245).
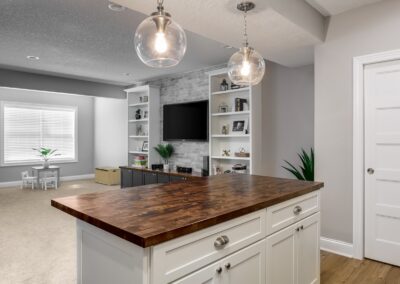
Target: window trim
point(3, 104)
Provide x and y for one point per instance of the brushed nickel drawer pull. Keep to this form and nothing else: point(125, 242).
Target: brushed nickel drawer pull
point(220, 242)
point(297, 210)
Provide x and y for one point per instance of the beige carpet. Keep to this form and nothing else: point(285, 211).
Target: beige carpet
point(37, 241)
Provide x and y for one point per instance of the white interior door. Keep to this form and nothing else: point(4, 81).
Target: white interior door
point(382, 162)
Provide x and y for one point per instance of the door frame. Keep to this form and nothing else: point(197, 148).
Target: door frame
point(359, 64)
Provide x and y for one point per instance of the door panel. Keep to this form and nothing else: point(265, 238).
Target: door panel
point(137, 178)
point(382, 154)
point(282, 257)
point(126, 178)
point(150, 178)
point(247, 265)
point(308, 250)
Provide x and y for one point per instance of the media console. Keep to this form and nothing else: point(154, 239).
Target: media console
point(131, 176)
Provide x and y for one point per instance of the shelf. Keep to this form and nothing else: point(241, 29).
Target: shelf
point(230, 135)
point(139, 104)
point(138, 152)
point(138, 120)
point(231, 158)
point(137, 136)
point(231, 91)
point(231, 113)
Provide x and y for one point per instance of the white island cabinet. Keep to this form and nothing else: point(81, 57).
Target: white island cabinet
point(275, 245)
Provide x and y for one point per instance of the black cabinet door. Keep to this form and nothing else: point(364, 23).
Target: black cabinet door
point(150, 178)
point(177, 178)
point(126, 178)
point(137, 178)
point(163, 178)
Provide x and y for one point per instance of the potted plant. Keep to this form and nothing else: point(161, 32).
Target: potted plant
point(165, 151)
point(306, 171)
point(46, 154)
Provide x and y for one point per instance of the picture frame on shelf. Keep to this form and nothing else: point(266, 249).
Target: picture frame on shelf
point(145, 146)
point(223, 108)
point(240, 126)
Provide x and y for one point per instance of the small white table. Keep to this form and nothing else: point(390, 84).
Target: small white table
point(40, 169)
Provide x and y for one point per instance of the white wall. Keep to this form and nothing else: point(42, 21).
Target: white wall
point(371, 29)
point(288, 116)
point(110, 132)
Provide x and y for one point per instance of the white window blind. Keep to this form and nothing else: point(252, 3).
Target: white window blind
point(28, 126)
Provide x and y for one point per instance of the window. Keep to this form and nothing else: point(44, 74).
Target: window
point(27, 126)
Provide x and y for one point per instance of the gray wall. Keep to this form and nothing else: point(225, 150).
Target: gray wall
point(288, 116)
point(85, 130)
point(30, 81)
point(371, 29)
point(186, 87)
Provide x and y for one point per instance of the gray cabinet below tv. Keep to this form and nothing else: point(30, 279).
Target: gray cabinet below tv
point(131, 177)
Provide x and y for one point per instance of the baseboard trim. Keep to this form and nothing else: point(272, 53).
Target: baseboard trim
point(66, 178)
point(337, 247)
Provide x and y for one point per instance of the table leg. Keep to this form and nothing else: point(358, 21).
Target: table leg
point(37, 178)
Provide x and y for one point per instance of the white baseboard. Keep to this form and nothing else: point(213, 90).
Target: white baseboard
point(66, 178)
point(337, 247)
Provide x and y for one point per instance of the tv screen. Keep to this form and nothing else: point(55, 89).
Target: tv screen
point(186, 121)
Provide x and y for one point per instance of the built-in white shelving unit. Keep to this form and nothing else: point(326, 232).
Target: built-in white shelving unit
point(234, 141)
point(147, 100)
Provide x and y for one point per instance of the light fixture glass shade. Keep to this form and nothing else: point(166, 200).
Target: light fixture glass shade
point(159, 41)
point(246, 67)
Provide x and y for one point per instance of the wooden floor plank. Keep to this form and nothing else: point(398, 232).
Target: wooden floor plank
point(339, 269)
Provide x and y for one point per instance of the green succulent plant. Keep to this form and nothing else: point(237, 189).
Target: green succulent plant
point(306, 171)
point(46, 153)
point(165, 151)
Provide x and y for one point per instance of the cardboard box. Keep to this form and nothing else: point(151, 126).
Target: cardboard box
point(108, 176)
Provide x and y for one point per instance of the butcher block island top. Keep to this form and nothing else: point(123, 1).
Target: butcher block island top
point(153, 214)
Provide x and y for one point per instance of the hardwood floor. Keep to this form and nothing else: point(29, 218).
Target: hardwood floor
point(340, 269)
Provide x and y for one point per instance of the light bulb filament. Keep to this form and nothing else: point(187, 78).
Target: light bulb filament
point(161, 44)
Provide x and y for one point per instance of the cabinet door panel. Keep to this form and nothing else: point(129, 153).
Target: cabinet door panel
point(308, 251)
point(247, 265)
point(163, 178)
point(281, 257)
point(137, 178)
point(207, 275)
point(150, 178)
point(126, 178)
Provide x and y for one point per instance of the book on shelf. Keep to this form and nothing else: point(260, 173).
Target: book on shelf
point(239, 104)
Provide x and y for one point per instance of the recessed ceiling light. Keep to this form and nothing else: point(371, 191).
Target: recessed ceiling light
point(127, 74)
point(228, 46)
point(115, 7)
point(32, 57)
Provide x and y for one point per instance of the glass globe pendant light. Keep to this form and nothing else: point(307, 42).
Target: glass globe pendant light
point(246, 67)
point(159, 41)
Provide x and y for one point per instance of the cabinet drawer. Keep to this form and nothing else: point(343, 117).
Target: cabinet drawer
point(179, 257)
point(289, 212)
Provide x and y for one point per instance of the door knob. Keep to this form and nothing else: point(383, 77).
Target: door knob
point(370, 171)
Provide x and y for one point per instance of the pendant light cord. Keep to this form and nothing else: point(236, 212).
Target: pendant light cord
point(246, 40)
point(160, 5)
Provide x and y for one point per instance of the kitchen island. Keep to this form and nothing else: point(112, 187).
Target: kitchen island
point(222, 229)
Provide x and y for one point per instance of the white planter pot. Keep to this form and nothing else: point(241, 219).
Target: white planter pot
point(166, 167)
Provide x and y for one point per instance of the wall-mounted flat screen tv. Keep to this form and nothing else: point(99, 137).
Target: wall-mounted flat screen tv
point(186, 121)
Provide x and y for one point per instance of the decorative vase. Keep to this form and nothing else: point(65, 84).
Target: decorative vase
point(166, 167)
point(46, 164)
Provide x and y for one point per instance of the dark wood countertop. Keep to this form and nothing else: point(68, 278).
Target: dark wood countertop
point(152, 214)
point(171, 172)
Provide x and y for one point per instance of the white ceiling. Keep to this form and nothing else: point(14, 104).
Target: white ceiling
point(84, 39)
point(284, 31)
point(334, 7)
